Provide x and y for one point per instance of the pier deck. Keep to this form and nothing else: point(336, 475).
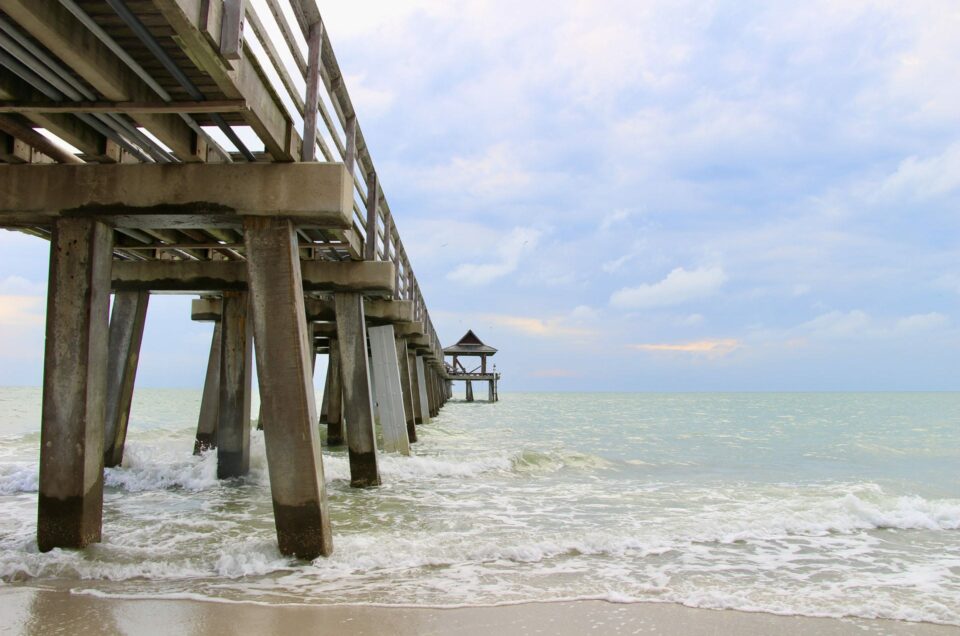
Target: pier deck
point(110, 116)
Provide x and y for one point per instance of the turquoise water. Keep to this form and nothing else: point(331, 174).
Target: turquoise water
point(817, 504)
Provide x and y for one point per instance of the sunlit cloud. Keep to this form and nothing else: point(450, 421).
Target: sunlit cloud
point(711, 348)
point(512, 249)
point(539, 327)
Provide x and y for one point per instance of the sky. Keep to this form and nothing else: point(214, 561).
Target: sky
point(645, 196)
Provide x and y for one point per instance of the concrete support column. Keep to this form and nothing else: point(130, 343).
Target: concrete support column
point(403, 363)
point(469, 391)
point(333, 396)
point(233, 417)
point(432, 391)
point(123, 353)
point(490, 394)
point(210, 402)
point(422, 391)
point(325, 400)
point(414, 387)
point(284, 369)
point(389, 390)
point(70, 502)
point(358, 401)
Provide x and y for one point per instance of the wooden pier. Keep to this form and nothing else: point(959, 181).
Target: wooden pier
point(292, 250)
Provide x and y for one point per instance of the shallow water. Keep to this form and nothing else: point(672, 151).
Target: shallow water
point(815, 504)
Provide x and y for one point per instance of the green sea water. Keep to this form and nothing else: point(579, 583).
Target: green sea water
point(822, 504)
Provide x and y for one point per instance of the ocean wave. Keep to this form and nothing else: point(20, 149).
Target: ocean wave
point(19, 477)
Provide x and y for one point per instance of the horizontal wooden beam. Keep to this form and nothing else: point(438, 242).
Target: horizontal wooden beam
point(374, 278)
point(314, 195)
point(28, 107)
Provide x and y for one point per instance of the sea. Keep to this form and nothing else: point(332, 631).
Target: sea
point(813, 504)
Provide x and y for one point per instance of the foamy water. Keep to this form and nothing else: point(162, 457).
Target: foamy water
point(813, 504)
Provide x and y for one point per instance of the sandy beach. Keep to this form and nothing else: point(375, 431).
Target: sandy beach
point(48, 611)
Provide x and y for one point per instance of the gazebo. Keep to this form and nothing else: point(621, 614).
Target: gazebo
point(470, 346)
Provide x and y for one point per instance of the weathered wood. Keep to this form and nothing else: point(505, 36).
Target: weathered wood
point(358, 402)
point(128, 108)
point(68, 39)
point(231, 29)
point(70, 503)
point(15, 127)
point(244, 79)
point(284, 368)
point(403, 363)
point(212, 276)
point(373, 198)
point(210, 402)
point(350, 142)
point(236, 366)
point(388, 389)
point(312, 99)
point(126, 333)
point(209, 195)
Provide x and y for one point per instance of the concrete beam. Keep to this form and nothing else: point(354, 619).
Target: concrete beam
point(314, 195)
point(365, 277)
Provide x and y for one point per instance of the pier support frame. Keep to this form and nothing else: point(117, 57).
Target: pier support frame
point(357, 399)
point(126, 334)
point(403, 363)
point(210, 402)
point(285, 373)
point(388, 388)
point(469, 391)
point(233, 417)
point(70, 502)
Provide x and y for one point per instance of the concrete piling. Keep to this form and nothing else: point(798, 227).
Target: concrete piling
point(403, 363)
point(233, 417)
point(422, 391)
point(469, 391)
point(285, 372)
point(70, 506)
point(123, 353)
point(333, 396)
point(388, 389)
point(357, 398)
point(210, 402)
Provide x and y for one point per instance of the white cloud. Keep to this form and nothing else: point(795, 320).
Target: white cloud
point(923, 178)
point(680, 286)
point(509, 254)
point(495, 173)
point(838, 324)
point(19, 286)
point(921, 322)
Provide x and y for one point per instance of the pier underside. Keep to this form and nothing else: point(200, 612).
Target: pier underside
point(291, 256)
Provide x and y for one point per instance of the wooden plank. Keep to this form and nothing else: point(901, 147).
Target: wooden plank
point(312, 99)
point(68, 39)
point(129, 108)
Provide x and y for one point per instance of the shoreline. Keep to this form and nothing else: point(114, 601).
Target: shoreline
point(41, 610)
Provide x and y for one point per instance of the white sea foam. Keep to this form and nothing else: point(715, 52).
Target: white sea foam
point(19, 477)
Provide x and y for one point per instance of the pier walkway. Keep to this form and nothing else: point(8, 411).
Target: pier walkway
point(208, 147)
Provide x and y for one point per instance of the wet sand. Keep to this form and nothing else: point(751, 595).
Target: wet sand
point(25, 610)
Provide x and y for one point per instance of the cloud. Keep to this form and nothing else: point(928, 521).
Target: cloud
point(710, 348)
point(921, 322)
point(19, 286)
point(560, 327)
point(680, 286)
point(496, 173)
point(21, 311)
point(511, 250)
point(839, 324)
point(924, 178)
point(554, 373)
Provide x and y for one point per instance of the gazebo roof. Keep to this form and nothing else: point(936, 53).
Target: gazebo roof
point(470, 344)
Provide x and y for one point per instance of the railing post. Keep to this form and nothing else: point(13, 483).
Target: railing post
point(312, 99)
point(373, 197)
